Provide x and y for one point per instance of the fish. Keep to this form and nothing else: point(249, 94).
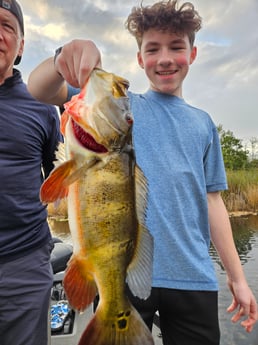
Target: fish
point(107, 196)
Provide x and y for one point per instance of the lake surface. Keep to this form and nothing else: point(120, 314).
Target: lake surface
point(245, 231)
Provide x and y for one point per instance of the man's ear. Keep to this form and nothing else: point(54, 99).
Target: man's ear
point(139, 59)
point(193, 54)
point(20, 52)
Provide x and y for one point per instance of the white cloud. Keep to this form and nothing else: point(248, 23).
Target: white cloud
point(223, 80)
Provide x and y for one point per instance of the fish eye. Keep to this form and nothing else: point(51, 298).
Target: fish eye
point(129, 118)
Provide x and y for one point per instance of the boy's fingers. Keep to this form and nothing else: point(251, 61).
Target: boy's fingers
point(249, 323)
point(232, 306)
point(242, 312)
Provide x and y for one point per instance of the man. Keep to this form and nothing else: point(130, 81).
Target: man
point(28, 140)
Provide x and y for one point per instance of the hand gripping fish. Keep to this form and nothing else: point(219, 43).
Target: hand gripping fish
point(107, 195)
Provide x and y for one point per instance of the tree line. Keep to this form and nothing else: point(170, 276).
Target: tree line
point(238, 156)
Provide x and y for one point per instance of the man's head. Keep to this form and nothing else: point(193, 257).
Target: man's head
point(164, 16)
point(13, 7)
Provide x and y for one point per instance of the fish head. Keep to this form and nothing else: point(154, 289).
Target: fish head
point(99, 117)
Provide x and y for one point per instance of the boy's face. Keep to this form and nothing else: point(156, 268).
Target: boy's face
point(165, 58)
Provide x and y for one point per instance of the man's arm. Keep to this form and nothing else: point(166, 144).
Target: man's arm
point(222, 238)
point(46, 85)
point(73, 64)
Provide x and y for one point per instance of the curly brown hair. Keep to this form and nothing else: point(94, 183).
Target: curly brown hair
point(164, 16)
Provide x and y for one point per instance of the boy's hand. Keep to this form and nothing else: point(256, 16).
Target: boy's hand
point(244, 300)
point(76, 61)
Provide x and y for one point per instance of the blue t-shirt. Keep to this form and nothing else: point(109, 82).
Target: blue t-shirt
point(28, 139)
point(177, 147)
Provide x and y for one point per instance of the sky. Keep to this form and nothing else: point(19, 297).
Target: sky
point(223, 80)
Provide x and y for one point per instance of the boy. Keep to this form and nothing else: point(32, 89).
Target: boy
point(178, 149)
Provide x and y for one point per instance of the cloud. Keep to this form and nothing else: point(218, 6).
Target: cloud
point(223, 80)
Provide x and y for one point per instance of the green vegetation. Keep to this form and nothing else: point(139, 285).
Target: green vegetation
point(234, 154)
point(242, 172)
point(242, 194)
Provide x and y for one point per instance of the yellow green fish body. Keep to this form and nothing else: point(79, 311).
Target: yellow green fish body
point(106, 208)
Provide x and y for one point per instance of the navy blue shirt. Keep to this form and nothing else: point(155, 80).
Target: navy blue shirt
point(29, 134)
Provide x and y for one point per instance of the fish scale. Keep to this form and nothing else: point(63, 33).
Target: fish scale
point(107, 197)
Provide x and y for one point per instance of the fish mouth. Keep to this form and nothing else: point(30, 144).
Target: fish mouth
point(87, 140)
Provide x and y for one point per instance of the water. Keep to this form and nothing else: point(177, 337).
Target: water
point(245, 231)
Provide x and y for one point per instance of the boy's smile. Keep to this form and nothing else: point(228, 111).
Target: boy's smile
point(165, 58)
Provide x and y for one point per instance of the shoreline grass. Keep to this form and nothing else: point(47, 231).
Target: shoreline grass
point(242, 194)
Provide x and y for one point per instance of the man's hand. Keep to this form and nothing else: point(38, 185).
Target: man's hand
point(76, 61)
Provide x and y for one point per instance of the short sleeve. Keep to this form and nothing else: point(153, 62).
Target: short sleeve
point(215, 174)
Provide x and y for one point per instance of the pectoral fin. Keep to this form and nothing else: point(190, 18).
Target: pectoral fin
point(55, 186)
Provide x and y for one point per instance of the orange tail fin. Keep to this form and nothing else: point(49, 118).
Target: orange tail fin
point(125, 330)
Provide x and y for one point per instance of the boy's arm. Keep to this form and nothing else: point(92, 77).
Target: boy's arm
point(73, 64)
point(222, 238)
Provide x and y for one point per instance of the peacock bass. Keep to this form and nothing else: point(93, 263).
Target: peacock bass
point(106, 194)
